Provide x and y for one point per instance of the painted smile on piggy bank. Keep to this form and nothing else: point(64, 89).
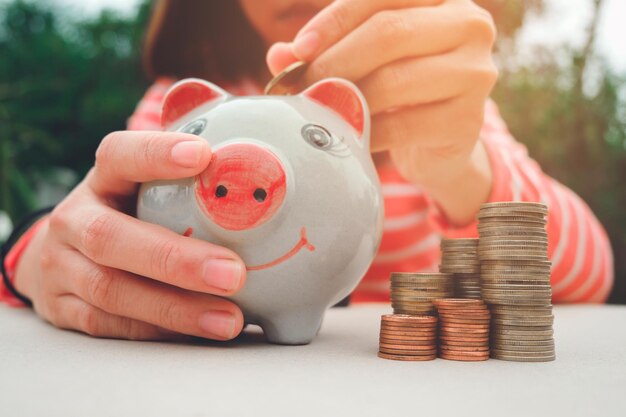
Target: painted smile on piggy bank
point(302, 243)
point(291, 188)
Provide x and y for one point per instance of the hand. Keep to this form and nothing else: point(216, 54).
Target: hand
point(103, 272)
point(426, 70)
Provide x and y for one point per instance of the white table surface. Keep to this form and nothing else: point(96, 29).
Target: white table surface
point(49, 372)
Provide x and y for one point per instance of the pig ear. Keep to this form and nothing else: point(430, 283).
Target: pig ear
point(186, 96)
point(345, 99)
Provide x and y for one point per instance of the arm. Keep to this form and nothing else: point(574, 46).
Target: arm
point(582, 260)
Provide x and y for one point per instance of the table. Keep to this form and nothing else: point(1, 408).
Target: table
point(51, 372)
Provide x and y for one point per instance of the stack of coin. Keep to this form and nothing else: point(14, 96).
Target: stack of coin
point(408, 338)
point(460, 258)
point(413, 293)
point(463, 329)
point(515, 278)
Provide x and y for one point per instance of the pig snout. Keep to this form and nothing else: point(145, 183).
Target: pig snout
point(243, 186)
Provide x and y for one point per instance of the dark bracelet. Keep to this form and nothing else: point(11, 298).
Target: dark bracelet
point(19, 229)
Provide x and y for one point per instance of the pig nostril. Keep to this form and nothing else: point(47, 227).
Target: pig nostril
point(260, 194)
point(221, 191)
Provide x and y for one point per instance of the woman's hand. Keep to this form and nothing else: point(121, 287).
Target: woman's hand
point(95, 269)
point(426, 70)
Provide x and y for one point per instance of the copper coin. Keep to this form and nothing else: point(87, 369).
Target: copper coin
point(465, 326)
point(465, 344)
point(408, 334)
point(420, 326)
point(431, 342)
point(464, 358)
point(464, 339)
point(464, 313)
point(464, 330)
point(452, 322)
point(403, 318)
point(453, 349)
point(408, 352)
point(424, 330)
point(409, 337)
point(406, 347)
point(406, 357)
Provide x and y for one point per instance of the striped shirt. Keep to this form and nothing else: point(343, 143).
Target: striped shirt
point(582, 263)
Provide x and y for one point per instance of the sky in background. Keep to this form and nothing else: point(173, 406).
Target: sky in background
point(564, 21)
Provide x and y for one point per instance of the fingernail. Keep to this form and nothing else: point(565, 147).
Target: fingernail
point(187, 154)
point(222, 273)
point(218, 323)
point(305, 45)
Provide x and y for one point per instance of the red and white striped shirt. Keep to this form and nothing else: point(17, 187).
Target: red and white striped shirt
point(582, 262)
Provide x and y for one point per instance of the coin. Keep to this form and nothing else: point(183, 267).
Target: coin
point(286, 82)
point(465, 357)
point(521, 206)
point(407, 357)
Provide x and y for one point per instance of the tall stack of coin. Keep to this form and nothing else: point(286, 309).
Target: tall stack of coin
point(460, 258)
point(463, 329)
point(413, 293)
point(515, 276)
point(408, 338)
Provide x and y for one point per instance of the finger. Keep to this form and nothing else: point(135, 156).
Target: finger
point(76, 314)
point(127, 295)
point(117, 240)
point(446, 125)
point(126, 158)
point(339, 19)
point(415, 81)
point(396, 35)
point(412, 81)
point(279, 57)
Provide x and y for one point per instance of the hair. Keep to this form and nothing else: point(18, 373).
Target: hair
point(210, 39)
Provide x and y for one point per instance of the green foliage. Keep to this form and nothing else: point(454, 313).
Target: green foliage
point(64, 85)
point(579, 139)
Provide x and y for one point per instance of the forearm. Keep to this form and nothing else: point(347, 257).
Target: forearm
point(460, 198)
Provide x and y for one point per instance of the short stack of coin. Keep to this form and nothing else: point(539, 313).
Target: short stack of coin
point(515, 279)
point(460, 258)
point(463, 329)
point(413, 293)
point(408, 338)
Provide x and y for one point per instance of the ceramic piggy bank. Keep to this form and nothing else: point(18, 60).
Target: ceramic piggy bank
point(291, 188)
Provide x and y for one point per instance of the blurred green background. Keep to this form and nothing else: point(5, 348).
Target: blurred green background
point(67, 80)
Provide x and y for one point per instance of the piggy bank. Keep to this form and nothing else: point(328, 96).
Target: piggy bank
point(291, 188)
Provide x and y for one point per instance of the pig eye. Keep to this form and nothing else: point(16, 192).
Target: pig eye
point(194, 128)
point(317, 136)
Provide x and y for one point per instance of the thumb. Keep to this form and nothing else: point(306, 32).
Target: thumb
point(279, 56)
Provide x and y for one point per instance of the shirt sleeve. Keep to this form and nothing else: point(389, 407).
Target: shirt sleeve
point(147, 114)
point(578, 246)
point(12, 259)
